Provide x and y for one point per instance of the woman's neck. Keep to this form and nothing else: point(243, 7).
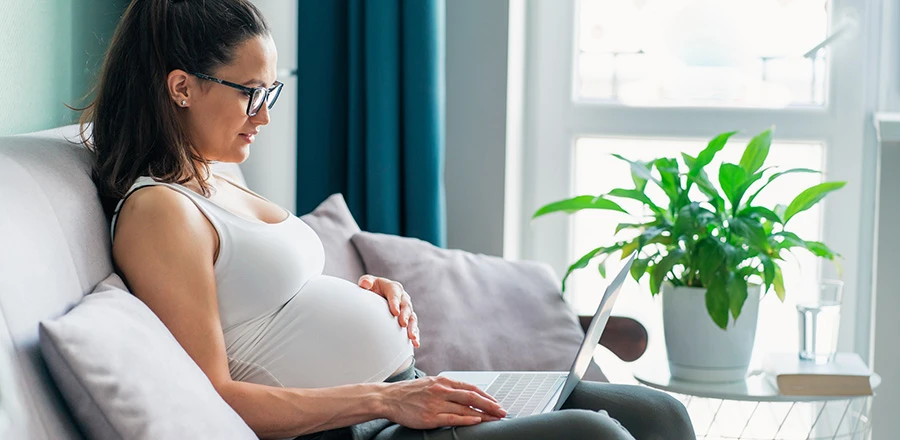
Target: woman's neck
point(205, 176)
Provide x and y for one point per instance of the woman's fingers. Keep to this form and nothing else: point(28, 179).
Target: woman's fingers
point(472, 400)
point(467, 411)
point(405, 314)
point(399, 303)
point(366, 282)
point(470, 387)
point(392, 291)
point(394, 296)
point(413, 330)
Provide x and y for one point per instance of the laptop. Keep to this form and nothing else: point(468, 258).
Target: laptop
point(524, 393)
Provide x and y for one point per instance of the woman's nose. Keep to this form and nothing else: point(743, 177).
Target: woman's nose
point(262, 116)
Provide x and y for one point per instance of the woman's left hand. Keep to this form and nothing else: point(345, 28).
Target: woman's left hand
point(398, 301)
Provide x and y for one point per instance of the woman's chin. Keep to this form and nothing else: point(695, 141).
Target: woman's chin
point(241, 153)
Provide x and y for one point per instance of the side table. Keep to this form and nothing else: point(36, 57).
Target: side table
point(754, 410)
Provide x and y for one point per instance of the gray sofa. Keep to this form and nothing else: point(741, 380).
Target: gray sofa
point(54, 248)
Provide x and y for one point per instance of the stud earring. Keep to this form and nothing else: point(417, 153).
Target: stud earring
point(183, 103)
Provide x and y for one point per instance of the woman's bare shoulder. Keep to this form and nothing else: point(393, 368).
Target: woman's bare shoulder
point(158, 204)
point(160, 217)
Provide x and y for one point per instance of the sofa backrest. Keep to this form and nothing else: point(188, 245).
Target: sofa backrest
point(54, 248)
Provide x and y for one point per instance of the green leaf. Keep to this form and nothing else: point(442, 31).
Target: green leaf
point(717, 303)
point(578, 203)
point(640, 172)
point(748, 271)
point(810, 197)
point(634, 194)
point(779, 284)
point(707, 188)
point(768, 271)
point(668, 172)
point(756, 152)
point(602, 268)
point(779, 211)
point(775, 176)
point(648, 235)
point(731, 177)
point(737, 294)
point(715, 145)
point(768, 227)
point(742, 189)
point(692, 219)
point(622, 226)
point(583, 262)
point(630, 247)
point(751, 231)
point(820, 250)
point(639, 267)
point(709, 256)
point(663, 267)
point(790, 240)
point(755, 212)
point(689, 160)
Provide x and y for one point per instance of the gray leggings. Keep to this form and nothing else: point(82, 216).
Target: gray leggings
point(595, 410)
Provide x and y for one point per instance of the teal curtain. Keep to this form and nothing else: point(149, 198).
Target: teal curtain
point(371, 112)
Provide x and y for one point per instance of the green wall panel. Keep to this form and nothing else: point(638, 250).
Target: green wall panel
point(50, 51)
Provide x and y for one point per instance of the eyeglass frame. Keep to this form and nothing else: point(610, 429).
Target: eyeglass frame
point(248, 90)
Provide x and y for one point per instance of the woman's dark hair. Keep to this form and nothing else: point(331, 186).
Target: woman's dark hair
point(136, 129)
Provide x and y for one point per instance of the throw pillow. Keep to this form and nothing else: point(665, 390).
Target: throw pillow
point(124, 376)
point(334, 224)
point(478, 312)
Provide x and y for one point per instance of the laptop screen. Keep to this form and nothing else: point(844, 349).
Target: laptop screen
point(592, 335)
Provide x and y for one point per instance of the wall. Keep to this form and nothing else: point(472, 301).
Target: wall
point(271, 169)
point(887, 301)
point(50, 52)
point(477, 39)
point(35, 71)
point(52, 48)
point(885, 356)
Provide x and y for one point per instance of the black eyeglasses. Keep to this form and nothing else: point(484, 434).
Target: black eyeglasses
point(258, 95)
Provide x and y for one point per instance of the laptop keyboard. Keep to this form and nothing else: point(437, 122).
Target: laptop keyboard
point(523, 394)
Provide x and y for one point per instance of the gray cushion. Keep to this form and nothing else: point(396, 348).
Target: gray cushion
point(126, 377)
point(335, 225)
point(478, 312)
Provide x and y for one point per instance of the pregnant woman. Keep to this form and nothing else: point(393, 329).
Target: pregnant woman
point(238, 280)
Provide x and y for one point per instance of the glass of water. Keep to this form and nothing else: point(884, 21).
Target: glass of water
point(819, 322)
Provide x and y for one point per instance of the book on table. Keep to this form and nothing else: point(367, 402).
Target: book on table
point(846, 375)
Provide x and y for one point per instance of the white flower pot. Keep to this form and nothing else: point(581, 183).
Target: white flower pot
point(698, 349)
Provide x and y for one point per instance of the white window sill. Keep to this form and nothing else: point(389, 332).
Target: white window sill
point(887, 126)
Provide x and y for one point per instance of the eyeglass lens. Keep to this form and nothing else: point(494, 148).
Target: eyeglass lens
point(259, 97)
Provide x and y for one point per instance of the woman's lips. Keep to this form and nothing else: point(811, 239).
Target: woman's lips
point(248, 137)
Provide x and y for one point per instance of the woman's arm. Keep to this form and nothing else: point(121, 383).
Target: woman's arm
point(165, 248)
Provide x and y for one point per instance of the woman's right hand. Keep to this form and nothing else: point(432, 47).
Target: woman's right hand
point(432, 402)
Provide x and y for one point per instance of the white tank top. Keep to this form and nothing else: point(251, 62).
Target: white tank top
point(285, 323)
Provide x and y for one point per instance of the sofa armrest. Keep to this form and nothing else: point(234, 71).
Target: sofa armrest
point(626, 337)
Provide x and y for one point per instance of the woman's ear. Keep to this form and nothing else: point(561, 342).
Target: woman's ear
point(179, 88)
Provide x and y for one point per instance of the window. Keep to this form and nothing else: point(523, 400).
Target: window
point(688, 52)
point(608, 76)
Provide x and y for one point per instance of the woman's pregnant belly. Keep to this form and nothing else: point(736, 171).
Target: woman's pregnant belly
point(331, 333)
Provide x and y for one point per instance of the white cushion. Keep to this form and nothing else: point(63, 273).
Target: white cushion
point(125, 376)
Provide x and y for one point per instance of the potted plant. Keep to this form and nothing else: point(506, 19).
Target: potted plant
point(708, 249)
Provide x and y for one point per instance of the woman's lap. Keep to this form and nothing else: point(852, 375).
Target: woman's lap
point(595, 410)
point(646, 414)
